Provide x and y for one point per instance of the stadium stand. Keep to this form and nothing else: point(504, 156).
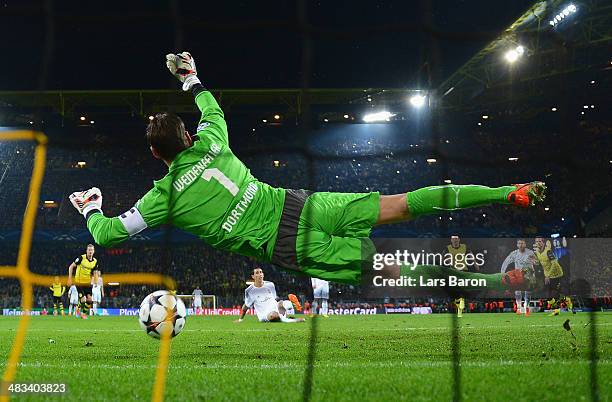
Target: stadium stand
point(342, 157)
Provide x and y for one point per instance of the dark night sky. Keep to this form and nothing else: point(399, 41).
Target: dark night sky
point(238, 44)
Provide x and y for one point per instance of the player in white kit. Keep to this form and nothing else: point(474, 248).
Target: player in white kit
point(262, 295)
point(320, 290)
point(73, 295)
point(197, 301)
point(97, 292)
point(523, 259)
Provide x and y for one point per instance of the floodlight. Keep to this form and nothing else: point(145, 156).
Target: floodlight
point(570, 9)
point(417, 100)
point(378, 116)
point(511, 56)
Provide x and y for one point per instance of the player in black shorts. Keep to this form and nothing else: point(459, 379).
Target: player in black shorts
point(85, 300)
point(58, 290)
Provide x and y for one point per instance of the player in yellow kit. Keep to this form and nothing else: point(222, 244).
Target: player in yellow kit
point(458, 251)
point(553, 272)
point(58, 291)
point(85, 265)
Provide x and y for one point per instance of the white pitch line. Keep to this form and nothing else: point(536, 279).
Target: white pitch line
point(265, 328)
point(294, 366)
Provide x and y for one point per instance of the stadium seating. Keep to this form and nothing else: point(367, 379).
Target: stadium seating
point(346, 158)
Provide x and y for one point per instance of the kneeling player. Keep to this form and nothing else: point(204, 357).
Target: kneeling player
point(262, 295)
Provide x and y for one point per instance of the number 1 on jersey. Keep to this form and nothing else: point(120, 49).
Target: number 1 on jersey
point(221, 178)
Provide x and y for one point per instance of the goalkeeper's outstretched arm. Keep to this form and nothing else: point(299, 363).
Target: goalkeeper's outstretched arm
point(149, 211)
point(152, 209)
point(105, 231)
point(212, 122)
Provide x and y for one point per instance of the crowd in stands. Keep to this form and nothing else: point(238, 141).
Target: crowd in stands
point(347, 158)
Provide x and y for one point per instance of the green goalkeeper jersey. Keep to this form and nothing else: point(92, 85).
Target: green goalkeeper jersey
point(208, 192)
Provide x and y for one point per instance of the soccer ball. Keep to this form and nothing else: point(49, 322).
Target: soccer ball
point(162, 311)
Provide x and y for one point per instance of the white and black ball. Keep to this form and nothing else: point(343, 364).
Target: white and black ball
point(162, 311)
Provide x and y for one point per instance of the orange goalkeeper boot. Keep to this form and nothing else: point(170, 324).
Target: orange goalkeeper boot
point(294, 300)
point(528, 194)
point(514, 279)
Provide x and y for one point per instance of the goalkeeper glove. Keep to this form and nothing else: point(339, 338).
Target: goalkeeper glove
point(182, 66)
point(87, 201)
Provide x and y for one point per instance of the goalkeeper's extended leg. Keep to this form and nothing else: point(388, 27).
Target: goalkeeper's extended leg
point(332, 230)
point(497, 282)
point(436, 199)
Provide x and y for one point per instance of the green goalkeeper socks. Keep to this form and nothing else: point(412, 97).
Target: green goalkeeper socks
point(435, 199)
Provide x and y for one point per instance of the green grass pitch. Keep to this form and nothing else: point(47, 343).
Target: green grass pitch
point(359, 358)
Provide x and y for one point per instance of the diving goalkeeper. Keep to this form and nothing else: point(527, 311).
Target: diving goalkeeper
point(210, 193)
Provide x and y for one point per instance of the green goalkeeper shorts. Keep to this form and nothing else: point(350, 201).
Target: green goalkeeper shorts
point(326, 235)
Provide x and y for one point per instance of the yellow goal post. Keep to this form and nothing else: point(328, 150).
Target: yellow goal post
point(28, 279)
